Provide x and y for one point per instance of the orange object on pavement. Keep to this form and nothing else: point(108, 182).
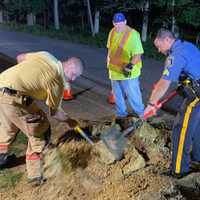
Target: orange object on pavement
point(68, 95)
point(111, 98)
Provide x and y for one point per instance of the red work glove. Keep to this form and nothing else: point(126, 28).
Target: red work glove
point(150, 111)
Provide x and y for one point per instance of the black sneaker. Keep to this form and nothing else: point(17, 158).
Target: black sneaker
point(172, 174)
point(37, 181)
point(9, 161)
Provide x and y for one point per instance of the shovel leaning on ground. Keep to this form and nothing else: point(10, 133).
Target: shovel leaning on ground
point(116, 142)
point(105, 147)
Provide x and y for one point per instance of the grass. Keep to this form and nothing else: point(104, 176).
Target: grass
point(21, 138)
point(72, 34)
point(9, 178)
point(19, 145)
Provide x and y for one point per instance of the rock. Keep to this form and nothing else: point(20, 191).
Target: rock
point(117, 174)
point(136, 161)
point(153, 142)
point(147, 134)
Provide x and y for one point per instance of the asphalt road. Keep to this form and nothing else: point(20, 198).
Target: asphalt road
point(92, 88)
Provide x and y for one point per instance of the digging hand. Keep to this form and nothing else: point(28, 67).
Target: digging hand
point(150, 111)
point(63, 117)
point(60, 116)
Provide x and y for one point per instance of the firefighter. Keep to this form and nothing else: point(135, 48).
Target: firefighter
point(37, 76)
point(124, 64)
point(182, 65)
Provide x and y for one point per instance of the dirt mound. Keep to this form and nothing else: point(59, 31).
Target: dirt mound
point(75, 171)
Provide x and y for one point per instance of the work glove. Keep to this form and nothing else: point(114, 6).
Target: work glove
point(127, 69)
point(149, 111)
point(60, 116)
point(63, 117)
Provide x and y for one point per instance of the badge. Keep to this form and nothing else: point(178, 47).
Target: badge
point(169, 61)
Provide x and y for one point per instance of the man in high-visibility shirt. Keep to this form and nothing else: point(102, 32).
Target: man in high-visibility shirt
point(37, 76)
point(124, 64)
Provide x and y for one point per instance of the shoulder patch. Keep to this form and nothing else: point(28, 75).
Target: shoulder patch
point(169, 61)
point(166, 72)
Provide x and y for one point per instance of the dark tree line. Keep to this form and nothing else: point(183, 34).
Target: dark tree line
point(93, 15)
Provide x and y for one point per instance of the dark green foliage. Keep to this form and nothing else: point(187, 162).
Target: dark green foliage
point(151, 51)
point(26, 6)
point(74, 23)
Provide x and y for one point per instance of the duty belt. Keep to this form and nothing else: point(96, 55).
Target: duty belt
point(26, 100)
point(9, 91)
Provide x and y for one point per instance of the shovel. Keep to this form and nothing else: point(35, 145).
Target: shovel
point(83, 134)
point(116, 142)
point(107, 151)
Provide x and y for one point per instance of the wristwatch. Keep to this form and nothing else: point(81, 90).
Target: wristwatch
point(152, 104)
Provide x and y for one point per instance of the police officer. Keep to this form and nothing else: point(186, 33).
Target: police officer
point(182, 58)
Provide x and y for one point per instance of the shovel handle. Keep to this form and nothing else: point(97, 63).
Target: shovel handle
point(83, 134)
point(149, 114)
point(159, 105)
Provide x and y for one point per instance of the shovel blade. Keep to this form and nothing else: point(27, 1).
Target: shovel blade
point(115, 142)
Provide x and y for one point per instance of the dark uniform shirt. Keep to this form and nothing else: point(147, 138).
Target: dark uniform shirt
point(183, 57)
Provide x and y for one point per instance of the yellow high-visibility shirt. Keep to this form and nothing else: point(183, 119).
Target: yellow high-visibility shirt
point(132, 46)
point(40, 75)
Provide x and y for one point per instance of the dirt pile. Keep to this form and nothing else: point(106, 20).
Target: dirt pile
point(75, 171)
